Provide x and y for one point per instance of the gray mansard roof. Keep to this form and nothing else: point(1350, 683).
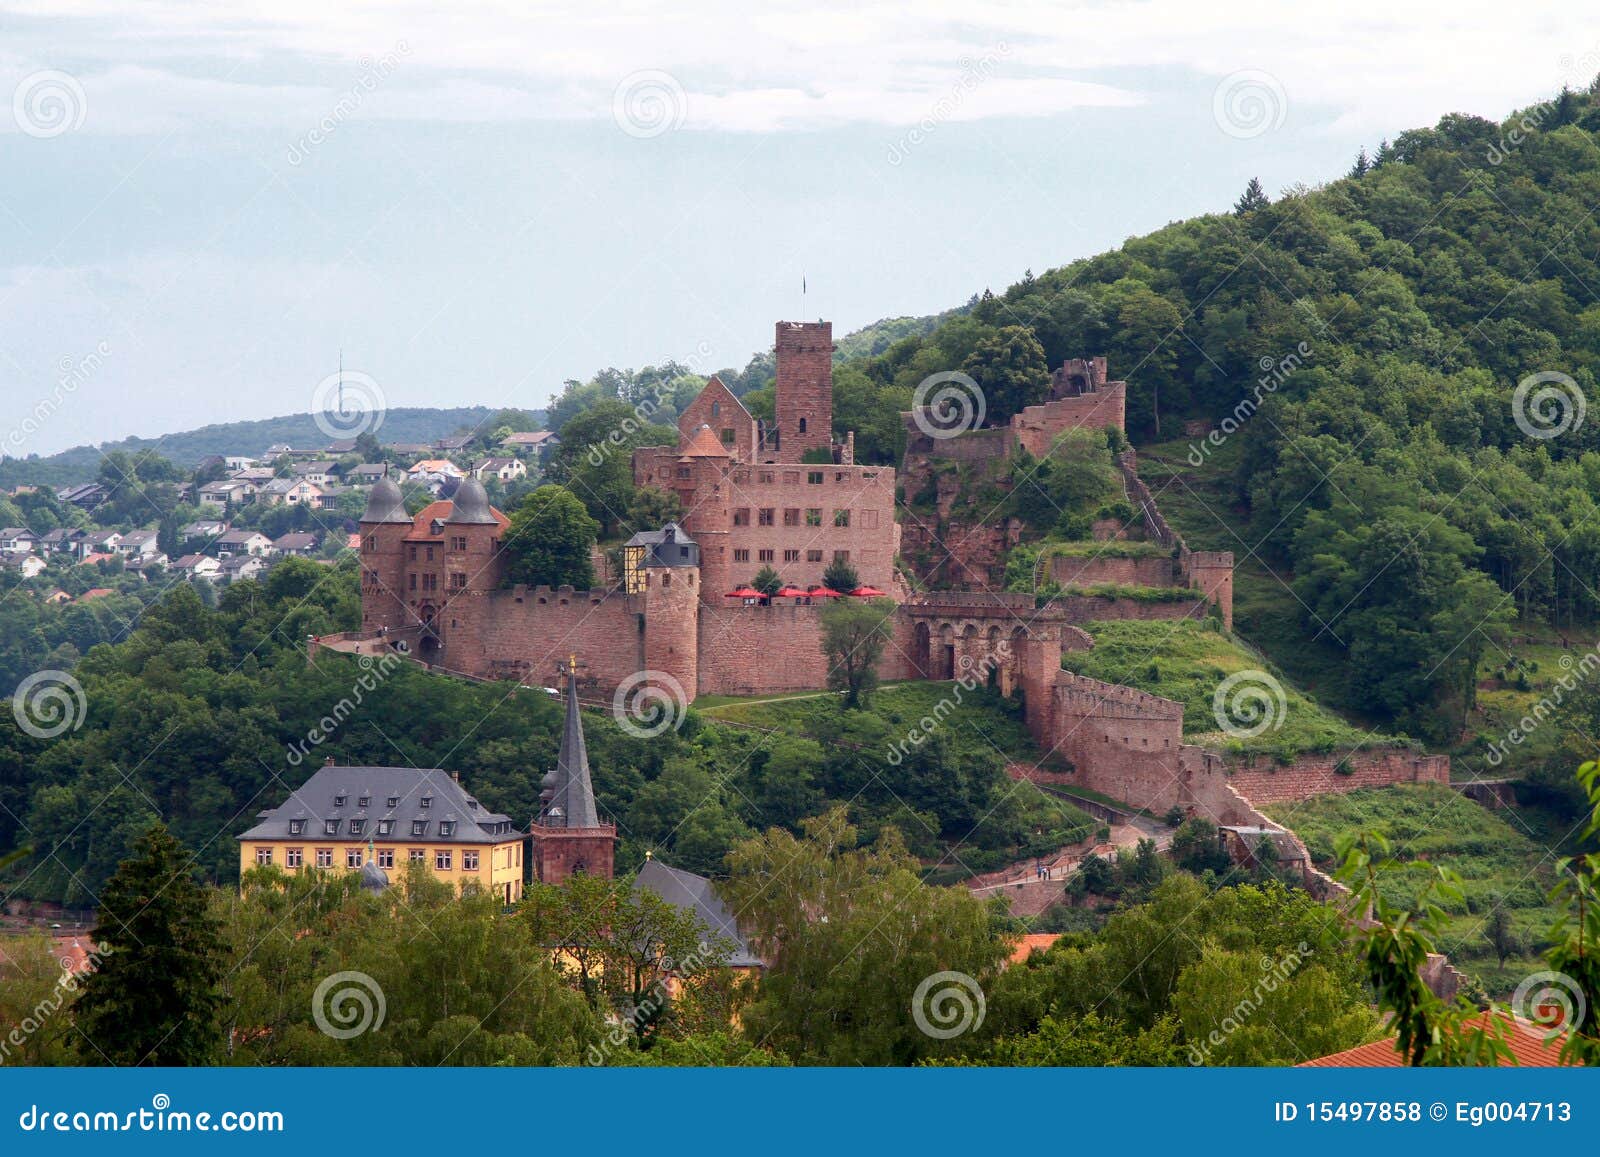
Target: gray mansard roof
point(403, 795)
point(669, 546)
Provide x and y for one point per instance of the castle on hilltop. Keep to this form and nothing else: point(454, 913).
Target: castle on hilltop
point(789, 495)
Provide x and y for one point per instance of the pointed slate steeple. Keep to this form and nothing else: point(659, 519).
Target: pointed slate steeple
point(568, 791)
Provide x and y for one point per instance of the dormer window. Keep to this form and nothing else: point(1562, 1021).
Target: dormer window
point(364, 801)
point(330, 827)
point(427, 801)
point(338, 801)
point(447, 828)
point(297, 827)
point(419, 827)
point(385, 827)
point(394, 801)
point(357, 827)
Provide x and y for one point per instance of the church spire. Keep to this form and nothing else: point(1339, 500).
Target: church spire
point(569, 792)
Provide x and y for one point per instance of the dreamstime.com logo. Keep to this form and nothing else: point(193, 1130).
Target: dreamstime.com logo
point(348, 404)
point(948, 404)
point(48, 104)
point(1553, 1001)
point(947, 1004)
point(347, 1004)
point(649, 103)
point(49, 703)
point(1249, 104)
point(1248, 703)
point(649, 703)
point(1548, 404)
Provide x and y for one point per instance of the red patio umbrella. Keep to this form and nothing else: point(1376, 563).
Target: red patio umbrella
point(867, 593)
point(790, 593)
point(743, 593)
point(824, 593)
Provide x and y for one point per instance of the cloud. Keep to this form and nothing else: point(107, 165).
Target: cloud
point(156, 66)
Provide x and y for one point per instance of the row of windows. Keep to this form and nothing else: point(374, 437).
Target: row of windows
point(358, 826)
point(742, 555)
point(792, 477)
point(384, 857)
point(794, 516)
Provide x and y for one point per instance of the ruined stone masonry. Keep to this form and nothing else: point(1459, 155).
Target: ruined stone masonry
point(789, 495)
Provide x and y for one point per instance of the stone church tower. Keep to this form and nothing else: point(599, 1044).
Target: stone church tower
point(568, 837)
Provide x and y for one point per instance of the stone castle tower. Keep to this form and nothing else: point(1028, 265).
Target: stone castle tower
point(804, 394)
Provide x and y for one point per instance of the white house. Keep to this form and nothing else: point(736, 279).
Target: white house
point(138, 544)
point(17, 538)
point(239, 543)
point(289, 492)
point(198, 566)
point(505, 469)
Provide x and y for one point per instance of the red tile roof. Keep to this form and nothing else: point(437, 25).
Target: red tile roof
point(1526, 1041)
point(421, 531)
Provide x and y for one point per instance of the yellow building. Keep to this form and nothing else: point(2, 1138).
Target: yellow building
point(396, 816)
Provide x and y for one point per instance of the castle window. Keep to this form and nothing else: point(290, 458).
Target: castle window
point(324, 857)
point(666, 580)
point(841, 556)
point(458, 581)
point(764, 556)
point(386, 858)
point(791, 516)
point(764, 517)
point(814, 477)
point(841, 518)
point(263, 857)
point(459, 542)
point(413, 553)
point(430, 552)
point(469, 861)
point(791, 477)
point(813, 516)
point(441, 861)
point(766, 476)
point(791, 556)
point(683, 472)
point(352, 857)
point(413, 577)
point(869, 520)
point(813, 556)
point(802, 425)
point(372, 542)
point(716, 409)
point(417, 855)
point(741, 517)
point(297, 827)
point(741, 556)
point(294, 857)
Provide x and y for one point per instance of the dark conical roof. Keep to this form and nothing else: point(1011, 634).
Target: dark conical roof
point(385, 503)
point(569, 796)
point(470, 504)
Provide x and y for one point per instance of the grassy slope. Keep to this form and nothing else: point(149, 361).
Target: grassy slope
point(1498, 859)
point(1186, 661)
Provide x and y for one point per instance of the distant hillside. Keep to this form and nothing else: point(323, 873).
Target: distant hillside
point(417, 424)
point(874, 339)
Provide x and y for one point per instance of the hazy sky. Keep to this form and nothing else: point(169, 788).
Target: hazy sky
point(478, 200)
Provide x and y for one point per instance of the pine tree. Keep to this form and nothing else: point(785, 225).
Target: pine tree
point(1253, 198)
point(767, 581)
point(840, 576)
point(153, 997)
point(1363, 165)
